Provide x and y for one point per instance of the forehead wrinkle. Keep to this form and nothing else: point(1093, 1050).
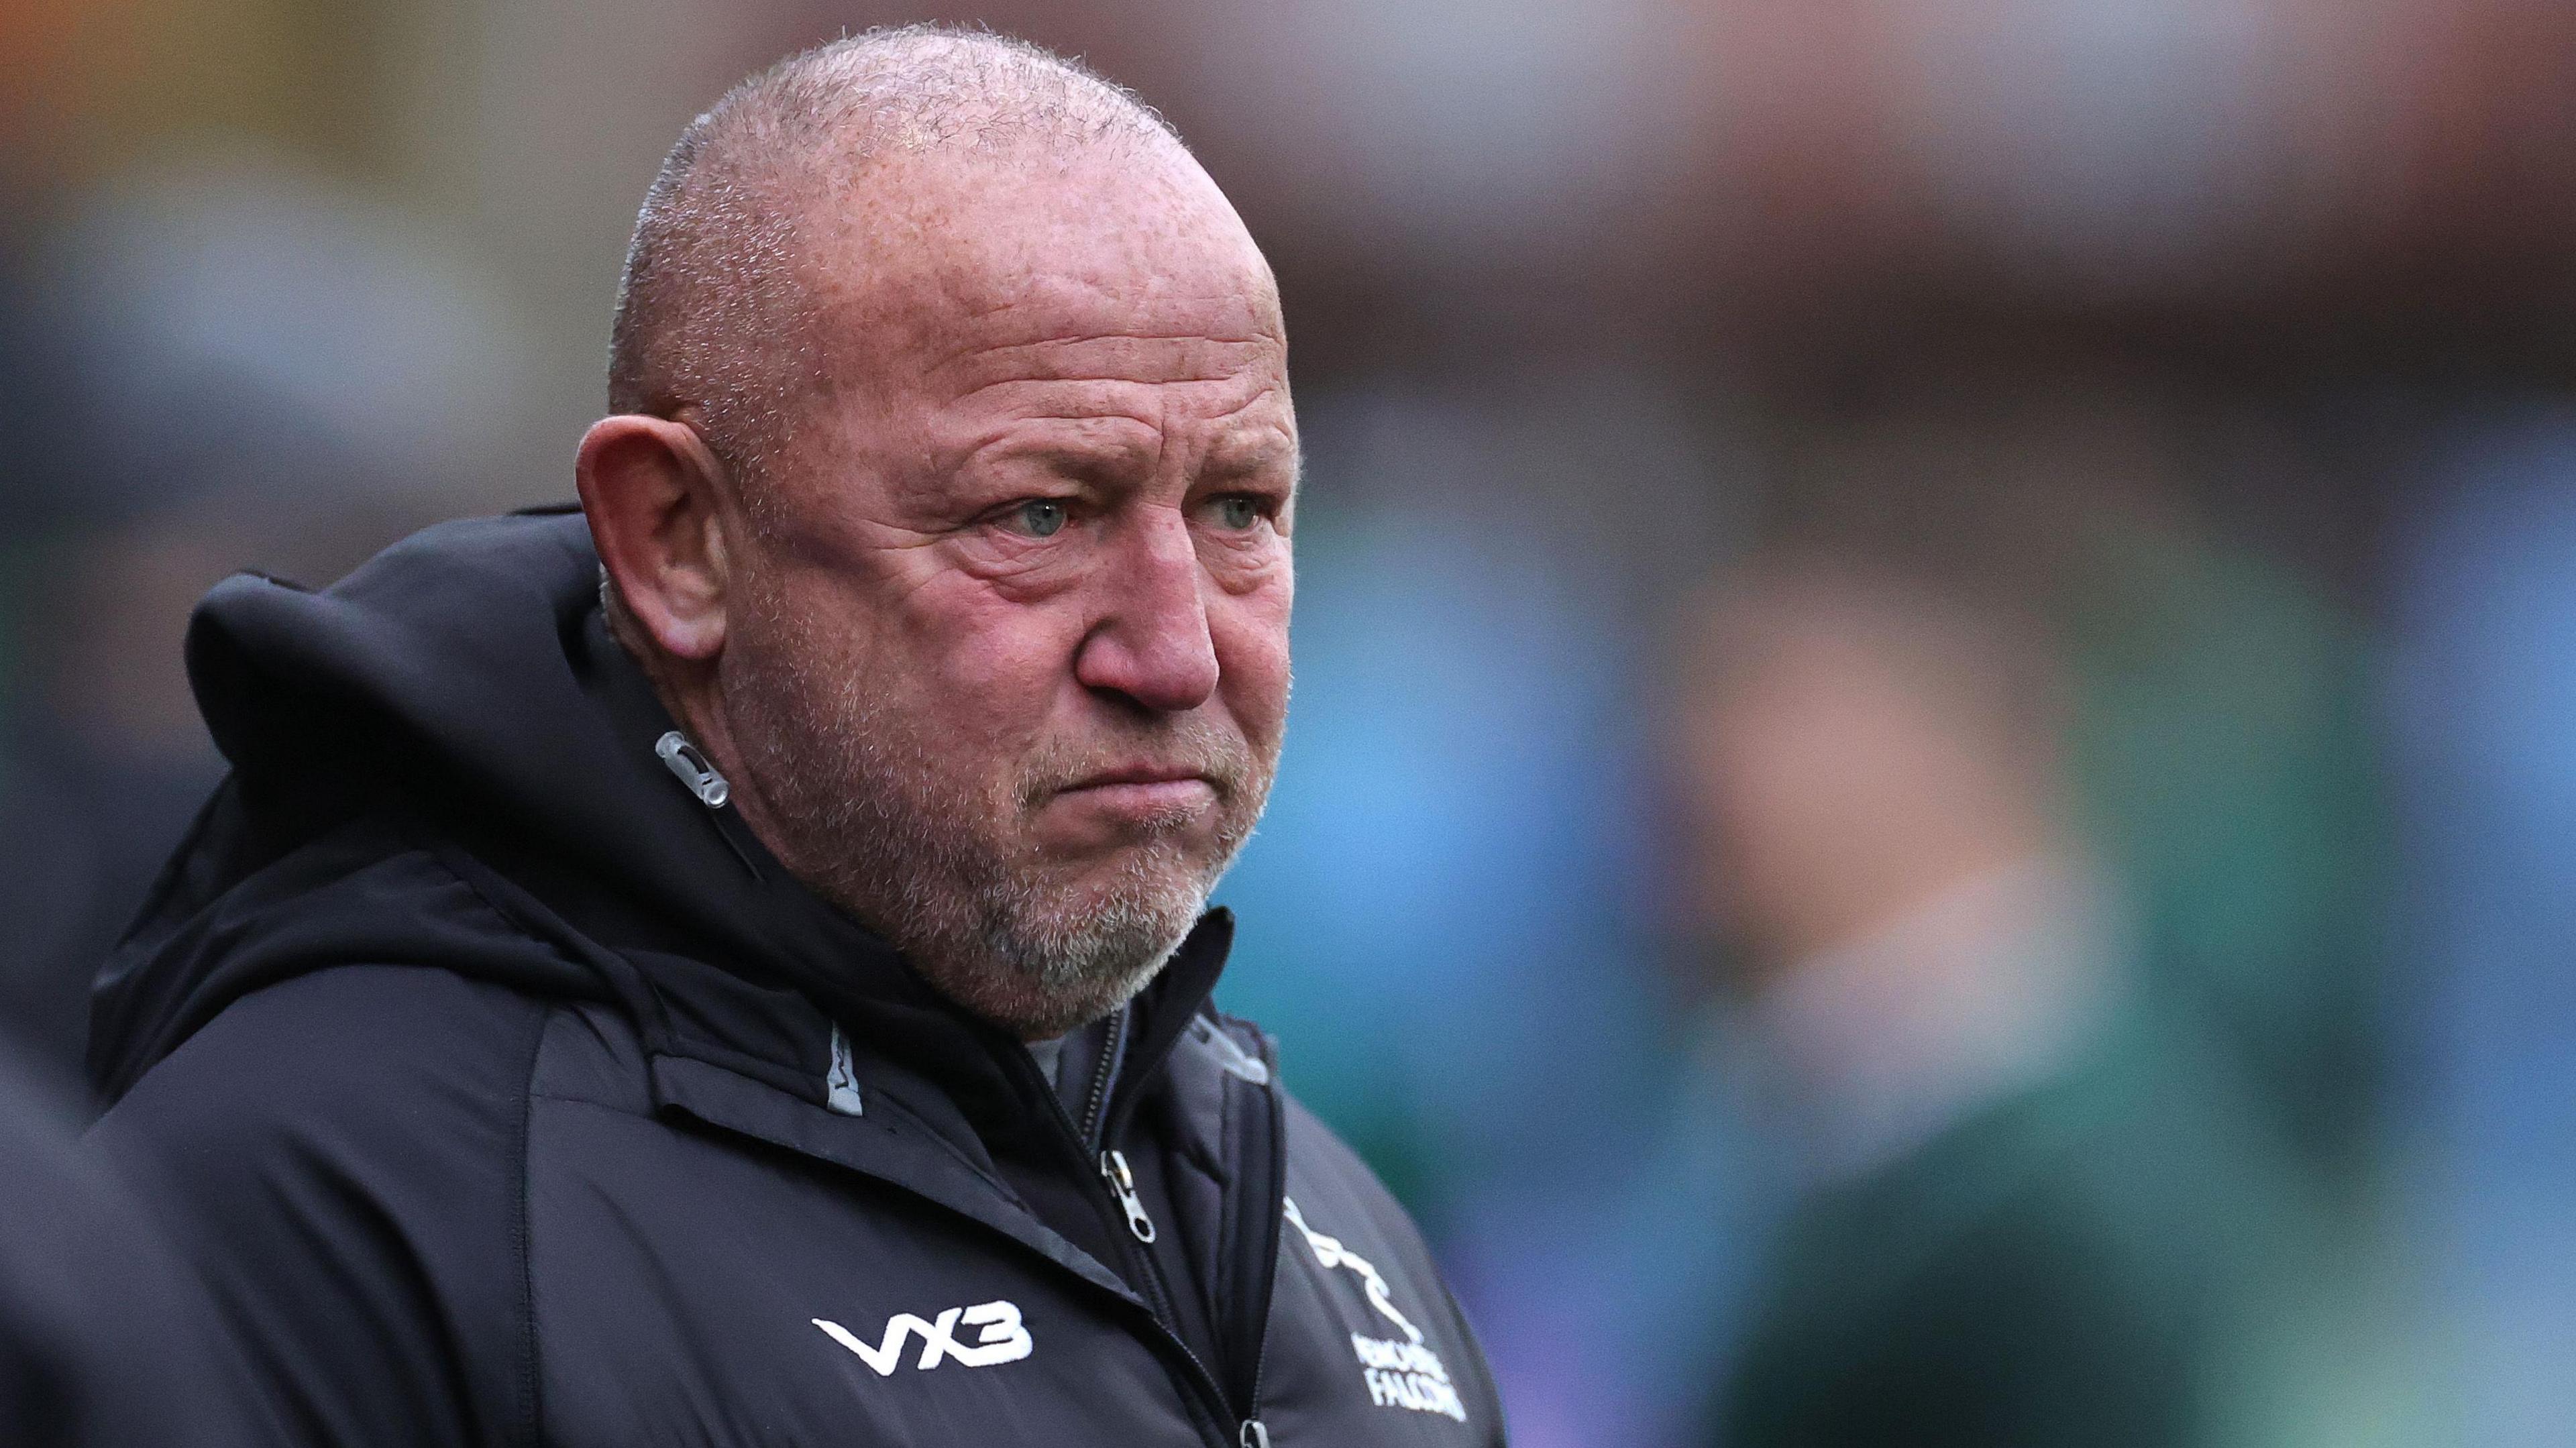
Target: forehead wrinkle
point(1071, 366)
point(1140, 429)
point(1259, 441)
point(1031, 311)
point(1129, 439)
point(1250, 448)
point(872, 318)
point(927, 302)
point(1165, 411)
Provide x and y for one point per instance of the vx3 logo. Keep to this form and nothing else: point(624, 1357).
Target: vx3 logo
point(1003, 1338)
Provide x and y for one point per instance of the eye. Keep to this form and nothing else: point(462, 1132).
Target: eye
point(1237, 511)
point(1039, 517)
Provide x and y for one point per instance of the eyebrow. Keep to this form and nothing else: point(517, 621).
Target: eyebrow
point(1266, 447)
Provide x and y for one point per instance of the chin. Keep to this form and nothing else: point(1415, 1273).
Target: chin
point(1106, 843)
point(1074, 961)
point(1169, 863)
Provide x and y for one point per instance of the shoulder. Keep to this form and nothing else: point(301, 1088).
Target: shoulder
point(389, 1100)
point(82, 1279)
point(343, 1157)
point(1337, 1193)
point(338, 1054)
point(1376, 1284)
point(1321, 1167)
point(1319, 1156)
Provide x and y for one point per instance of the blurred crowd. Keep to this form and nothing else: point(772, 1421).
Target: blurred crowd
point(1935, 745)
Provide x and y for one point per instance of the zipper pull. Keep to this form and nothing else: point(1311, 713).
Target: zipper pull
point(1253, 1434)
point(1122, 1183)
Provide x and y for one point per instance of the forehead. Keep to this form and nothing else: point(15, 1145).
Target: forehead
point(957, 270)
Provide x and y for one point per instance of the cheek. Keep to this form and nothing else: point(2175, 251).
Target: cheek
point(987, 665)
point(1250, 632)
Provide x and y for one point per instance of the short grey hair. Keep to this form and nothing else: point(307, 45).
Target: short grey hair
point(709, 310)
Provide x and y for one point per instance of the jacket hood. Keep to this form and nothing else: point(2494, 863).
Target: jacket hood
point(444, 760)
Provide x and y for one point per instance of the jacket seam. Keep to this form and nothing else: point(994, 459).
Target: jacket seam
point(921, 1125)
point(1229, 1131)
point(920, 1128)
point(438, 855)
point(523, 1232)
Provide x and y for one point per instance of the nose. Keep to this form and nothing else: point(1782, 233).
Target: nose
point(1151, 643)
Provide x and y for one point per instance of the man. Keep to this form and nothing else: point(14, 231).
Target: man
point(730, 967)
point(2037, 1206)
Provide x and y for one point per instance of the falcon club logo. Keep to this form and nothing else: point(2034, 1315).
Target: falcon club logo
point(1400, 1372)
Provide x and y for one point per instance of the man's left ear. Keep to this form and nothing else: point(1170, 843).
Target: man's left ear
point(653, 491)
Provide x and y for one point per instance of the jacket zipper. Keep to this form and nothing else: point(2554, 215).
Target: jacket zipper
point(1113, 1163)
point(1254, 1434)
point(1121, 1184)
point(1095, 1104)
point(1251, 1432)
point(1158, 1298)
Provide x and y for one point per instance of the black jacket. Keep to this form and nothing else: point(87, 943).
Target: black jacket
point(105, 1339)
point(511, 1095)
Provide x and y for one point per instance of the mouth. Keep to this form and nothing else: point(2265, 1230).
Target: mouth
point(1144, 790)
point(1141, 774)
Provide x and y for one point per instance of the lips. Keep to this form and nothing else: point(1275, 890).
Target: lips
point(1144, 795)
point(1142, 774)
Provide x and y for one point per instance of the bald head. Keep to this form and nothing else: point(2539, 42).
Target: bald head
point(727, 269)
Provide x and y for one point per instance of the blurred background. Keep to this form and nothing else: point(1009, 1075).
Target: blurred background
point(1934, 771)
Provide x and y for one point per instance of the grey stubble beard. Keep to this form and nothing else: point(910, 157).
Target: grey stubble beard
point(855, 789)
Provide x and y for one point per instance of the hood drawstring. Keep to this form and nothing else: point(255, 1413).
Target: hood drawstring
point(693, 769)
point(691, 766)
